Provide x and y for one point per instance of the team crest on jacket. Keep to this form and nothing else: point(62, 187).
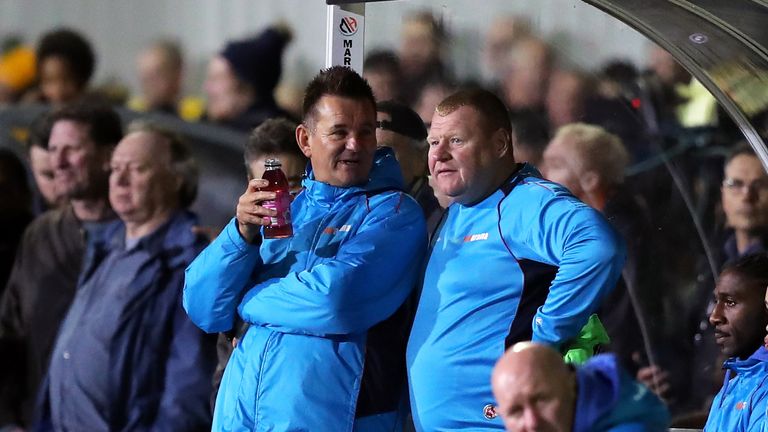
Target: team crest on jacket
point(489, 411)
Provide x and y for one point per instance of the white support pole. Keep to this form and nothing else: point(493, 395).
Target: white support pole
point(345, 36)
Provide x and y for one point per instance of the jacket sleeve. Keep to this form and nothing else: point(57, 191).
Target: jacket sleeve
point(369, 278)
point(185, 402)
point(589, 255)
point(216, 279)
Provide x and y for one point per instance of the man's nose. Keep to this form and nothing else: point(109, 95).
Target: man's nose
point(57, 158)
point(120, 176)
point(716, 317)
point(438, 152)
point(531, 419)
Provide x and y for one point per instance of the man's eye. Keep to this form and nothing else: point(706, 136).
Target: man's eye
point(456, 140)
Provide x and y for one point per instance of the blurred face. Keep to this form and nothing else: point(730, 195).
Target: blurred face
point(57, 82)
point(745, 194)
point(560, 165)
point(40, 165)
point(341, 140)
point(410, 158)
point(527, 75)
point(463, 160)
point(227, 96)
point(80, 167)
point(564, 99)
point(160, 81)
point(666, 68)
point(534, 402)
point(292, 165)
point(142, 186)
point(739, 316)
point(418, 47)
point(383, 84)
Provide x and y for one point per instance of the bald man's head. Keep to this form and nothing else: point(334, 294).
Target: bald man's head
point(535, 389)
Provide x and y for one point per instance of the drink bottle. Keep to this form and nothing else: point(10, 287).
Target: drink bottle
point(281, 224)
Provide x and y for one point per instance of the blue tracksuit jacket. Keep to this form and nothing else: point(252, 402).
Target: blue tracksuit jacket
point(609, 400)
point(310, 301)
point(528, 262)
point(740, 406)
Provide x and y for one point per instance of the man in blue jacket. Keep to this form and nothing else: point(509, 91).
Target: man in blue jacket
point(126, 356)
point(325, 346)
point(739, 317)
point(515, 258)
point(536, 391)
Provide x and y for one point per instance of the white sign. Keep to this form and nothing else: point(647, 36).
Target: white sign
point(345, 38)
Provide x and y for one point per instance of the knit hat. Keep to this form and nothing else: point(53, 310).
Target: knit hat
point(17, 68)
point(258, 61)
point(404, 120)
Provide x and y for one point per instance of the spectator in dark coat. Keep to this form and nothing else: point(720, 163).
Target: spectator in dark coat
point(44, 276)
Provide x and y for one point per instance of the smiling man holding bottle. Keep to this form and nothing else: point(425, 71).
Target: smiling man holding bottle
point(327, 322)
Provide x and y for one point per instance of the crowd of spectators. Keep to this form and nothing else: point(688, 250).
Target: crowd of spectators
point(642, 146)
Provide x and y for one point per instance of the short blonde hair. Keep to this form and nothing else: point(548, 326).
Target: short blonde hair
point(598, 150)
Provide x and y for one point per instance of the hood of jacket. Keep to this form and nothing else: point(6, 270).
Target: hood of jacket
point(385, 175)
point(608, 397)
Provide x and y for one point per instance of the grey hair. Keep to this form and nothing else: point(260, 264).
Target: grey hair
point(183, 163)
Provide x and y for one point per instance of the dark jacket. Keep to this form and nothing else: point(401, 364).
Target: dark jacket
point(161, 363)
point(36, 299)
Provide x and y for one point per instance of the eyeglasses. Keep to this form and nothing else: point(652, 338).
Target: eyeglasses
point(738, 185)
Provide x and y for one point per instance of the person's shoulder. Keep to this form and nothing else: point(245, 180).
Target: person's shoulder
point(53, 222)
point(394, 200)
point(532, 194)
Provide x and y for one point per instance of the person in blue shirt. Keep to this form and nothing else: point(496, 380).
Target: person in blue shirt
point(740, 317)
point(536, 390)
point(326, 308)
point(515, 258)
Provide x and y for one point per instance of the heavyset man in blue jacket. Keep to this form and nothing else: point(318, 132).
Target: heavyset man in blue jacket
point(515, 258)
point(325, 344)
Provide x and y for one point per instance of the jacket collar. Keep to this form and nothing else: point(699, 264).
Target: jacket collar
point(759, 356)
point(172, 237)
point(385, 175)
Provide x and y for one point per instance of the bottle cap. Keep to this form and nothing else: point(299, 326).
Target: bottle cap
point(272, 163)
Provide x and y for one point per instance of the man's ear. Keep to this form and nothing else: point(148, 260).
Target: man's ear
point(502, 143)
point(302, 139)
point(589, 181)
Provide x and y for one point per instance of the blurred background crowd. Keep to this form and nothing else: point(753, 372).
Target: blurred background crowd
point(588, 99)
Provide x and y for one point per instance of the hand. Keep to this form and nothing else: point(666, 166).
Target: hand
point(656, 379)
point(250, 214)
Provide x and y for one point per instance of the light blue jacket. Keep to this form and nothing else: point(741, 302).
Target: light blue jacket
point(609, 400)
point(310, 300)
point(528, 262)
point(740, 406)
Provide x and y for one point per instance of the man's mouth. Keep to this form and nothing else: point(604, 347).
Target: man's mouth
point(349, 162)
point(443, 171)
point(719, 336)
